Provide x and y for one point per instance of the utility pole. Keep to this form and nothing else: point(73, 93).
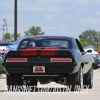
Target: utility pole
point(3, 32)
point(5, 24)
point(98, 40)
point(15, 20)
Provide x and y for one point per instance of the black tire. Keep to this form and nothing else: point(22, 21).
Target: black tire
point(88, 79)
point(13, 81)
point(75, 81)
point(95, 67)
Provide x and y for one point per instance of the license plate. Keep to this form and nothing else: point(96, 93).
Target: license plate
point(38, 69)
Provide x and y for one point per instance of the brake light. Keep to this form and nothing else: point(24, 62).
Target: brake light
point(16, 60)
point(52, 48)
point(29, 53)
point(48, 53)
point(61, 60)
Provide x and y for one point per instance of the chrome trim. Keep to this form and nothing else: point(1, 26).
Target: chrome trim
point(40, 75)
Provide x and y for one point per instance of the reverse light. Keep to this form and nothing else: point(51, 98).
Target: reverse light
point(16, 60)
point(61, 60)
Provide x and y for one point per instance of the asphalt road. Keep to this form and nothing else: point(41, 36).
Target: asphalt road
point(86, 94)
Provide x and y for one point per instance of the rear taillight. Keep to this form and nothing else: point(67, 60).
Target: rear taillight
point(28, 53)
point(16, 60)
point(61, 60)
point(48, 53)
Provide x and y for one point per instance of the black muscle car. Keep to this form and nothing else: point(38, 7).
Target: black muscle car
point(49, 58)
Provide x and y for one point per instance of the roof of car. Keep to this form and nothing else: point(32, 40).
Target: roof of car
point(59, 37)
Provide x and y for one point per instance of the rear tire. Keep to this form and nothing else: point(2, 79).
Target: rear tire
point(13, 81)
point(75, 81)
point(88, 78)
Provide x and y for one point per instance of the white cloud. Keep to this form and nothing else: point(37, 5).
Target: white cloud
point(50, 18)
point(97, 13)
point(54, 18)
point(7, 5)
point(90, 21)
point(96, 2)
point(40, 8)
point(83, 2)
point(55, 30)
point(69, 17)
point(48, 5)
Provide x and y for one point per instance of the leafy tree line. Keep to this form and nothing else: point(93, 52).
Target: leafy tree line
point(31, 31)
point(10, 37)
point(34, 31)
point(90, 37)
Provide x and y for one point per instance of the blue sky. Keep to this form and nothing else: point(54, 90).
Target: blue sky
point(55, 17)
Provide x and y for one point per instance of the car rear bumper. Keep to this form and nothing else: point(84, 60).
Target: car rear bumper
point(50, 68)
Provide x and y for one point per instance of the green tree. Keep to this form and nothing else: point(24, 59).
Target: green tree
point(85, 42)
point(34, 31)
point(18, 36)
point(6, 36)
point(10, 37)
point(89, 37)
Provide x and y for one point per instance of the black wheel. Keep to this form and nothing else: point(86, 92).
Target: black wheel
point(75, 81)
point(95, 67)
point(13, 81)
point(88, 78)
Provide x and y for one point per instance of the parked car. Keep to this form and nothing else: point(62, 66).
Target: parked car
point(45, 59)
point(2, 70)
point(2, 56)
point(12, 47)
point(96, 63)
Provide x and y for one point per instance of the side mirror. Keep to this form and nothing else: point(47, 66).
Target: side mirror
point(88, 51)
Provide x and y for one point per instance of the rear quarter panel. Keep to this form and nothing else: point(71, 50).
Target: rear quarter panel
point(88, 62)
point(78, 58)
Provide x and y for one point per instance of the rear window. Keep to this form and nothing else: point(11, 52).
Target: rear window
point(64, 43)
